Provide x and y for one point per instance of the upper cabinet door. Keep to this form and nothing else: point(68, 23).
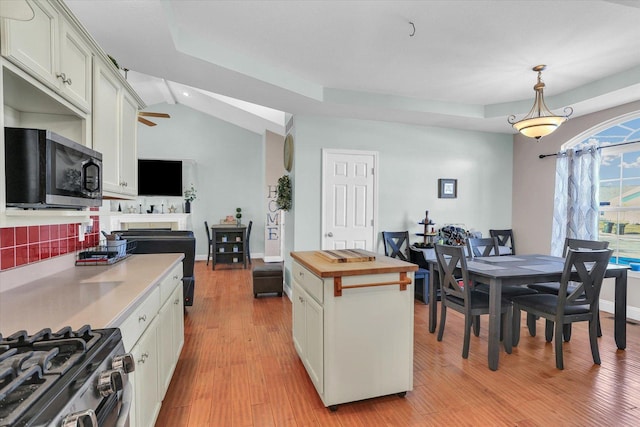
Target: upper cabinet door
point(32, 44)
point(107, 96)
point(129, 146)
point(75, 64)
point(50, 50)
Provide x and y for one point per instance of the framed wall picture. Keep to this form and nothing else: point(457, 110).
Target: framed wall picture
point(447, 188)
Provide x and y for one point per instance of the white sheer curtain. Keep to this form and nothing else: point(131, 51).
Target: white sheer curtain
point(575, 213)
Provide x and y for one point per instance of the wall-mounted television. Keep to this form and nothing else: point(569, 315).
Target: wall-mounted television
point(160, 178)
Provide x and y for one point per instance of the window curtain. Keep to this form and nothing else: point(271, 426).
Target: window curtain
point(575, 212)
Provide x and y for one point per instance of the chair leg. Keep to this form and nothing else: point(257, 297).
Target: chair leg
point(506, 330)
point(531, 324)
point(515, 328)
point(566, 332)
point(548, 330)
point(468, 321)
point(593, 339)
point(208, 254)
point(599, 329)
point(558, 344)
point(443, 318)
point(476, 325)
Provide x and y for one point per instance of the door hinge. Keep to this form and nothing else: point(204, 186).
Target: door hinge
point(373, 171)
point(372, 222)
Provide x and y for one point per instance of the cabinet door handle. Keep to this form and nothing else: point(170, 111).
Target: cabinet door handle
point(301, 299)
point(62, 76)
point(329, 234)
point(177, 301)
point(142, 318)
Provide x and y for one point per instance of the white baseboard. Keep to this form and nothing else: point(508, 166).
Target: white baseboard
point(609, 307)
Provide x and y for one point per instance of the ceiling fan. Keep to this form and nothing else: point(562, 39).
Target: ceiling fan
point(141, 119)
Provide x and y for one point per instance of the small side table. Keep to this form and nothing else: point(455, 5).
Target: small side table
point(229, 244)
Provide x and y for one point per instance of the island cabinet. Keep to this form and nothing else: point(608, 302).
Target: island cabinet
point(353, 325)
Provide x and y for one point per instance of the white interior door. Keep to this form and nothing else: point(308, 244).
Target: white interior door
point(349, 202)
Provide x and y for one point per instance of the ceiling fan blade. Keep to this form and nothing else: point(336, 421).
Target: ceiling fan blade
point(145, 121)
point(151, 114)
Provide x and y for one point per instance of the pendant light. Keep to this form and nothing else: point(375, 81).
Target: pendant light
point(539, 121)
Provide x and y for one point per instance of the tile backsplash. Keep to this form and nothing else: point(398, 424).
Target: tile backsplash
point(25, 245)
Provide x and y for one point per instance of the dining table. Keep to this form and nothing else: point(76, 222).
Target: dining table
point(499, 271)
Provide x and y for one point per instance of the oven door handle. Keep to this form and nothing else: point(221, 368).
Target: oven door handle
point(127, 397)
point(74, 419)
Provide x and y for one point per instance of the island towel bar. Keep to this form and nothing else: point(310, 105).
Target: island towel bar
point(338, 287)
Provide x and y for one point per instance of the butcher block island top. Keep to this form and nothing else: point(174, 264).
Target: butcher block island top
point(323, 264)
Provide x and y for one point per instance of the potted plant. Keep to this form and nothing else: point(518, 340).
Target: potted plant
point(283, 191)
point(189, 196)
point(238, 216)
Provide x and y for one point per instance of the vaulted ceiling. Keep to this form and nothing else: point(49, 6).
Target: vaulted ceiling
point(459, 64)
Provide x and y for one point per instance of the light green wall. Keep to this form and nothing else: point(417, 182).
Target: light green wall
point(228, 167)
point(411, 159)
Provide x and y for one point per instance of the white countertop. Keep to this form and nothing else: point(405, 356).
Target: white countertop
point(101, 296)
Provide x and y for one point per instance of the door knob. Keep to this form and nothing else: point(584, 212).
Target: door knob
point(329, 234)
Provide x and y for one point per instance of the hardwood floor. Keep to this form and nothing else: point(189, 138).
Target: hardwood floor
point(239, 368)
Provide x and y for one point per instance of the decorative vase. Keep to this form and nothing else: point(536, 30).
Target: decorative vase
point(187, 206)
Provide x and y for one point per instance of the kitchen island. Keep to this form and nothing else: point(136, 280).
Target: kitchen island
point(353, 324)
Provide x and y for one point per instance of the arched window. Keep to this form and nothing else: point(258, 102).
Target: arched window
point(619, 189)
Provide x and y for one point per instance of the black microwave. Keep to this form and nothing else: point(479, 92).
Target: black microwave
point(46, 170)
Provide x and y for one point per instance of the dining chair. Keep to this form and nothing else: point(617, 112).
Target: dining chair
point(246, 245)
point(554, 287)
point(421, 290)
point(458, 293)
point(396, 245)
point(505, 238)
point(585, 269)
point(485, 247)
point(209, 242)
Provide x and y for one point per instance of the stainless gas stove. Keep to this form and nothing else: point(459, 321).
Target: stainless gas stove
point(67, 378)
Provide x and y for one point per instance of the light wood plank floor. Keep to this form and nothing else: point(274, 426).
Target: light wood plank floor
point(239, 368)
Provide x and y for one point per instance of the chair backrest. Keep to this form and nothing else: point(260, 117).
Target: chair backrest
point(451, 258)
point(396, 244)
point(249, 230)
point(206, 227)
point(486, 246)
point(585, 269)
point(416, 256)
point(577, 244)
point(505, 238)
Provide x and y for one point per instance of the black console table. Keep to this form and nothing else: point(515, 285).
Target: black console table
point(229, 244)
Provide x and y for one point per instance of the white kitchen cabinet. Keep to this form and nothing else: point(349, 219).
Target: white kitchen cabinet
point(128, 145)
point(114, 131)
point(154, 334)
point(353, 326)
point(48, 48)
point(308, 334)
point(171, 340)
point(145, 377)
